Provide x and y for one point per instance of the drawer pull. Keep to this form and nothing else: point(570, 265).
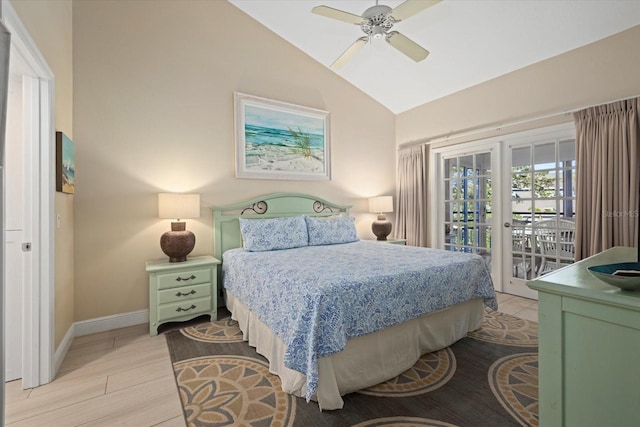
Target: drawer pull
point(182, 279)
point(179, 309)
point(180, 294)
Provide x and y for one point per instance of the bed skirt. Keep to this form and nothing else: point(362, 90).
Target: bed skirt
point(367, 360)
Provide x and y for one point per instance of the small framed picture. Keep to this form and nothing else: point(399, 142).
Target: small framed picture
point(65, 164)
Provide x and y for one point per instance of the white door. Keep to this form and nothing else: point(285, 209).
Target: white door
point(17, 215)
point(37, 215)
point(539, 208)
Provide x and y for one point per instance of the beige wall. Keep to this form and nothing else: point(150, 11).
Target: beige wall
point(153, 111)
point(598, 73)
point(50, 25)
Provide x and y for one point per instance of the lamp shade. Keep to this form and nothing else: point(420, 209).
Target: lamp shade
point(381, 204)
point(178, 205)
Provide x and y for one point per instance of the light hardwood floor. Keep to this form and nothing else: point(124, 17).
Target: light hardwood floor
point(523, 308)
point(124, 378)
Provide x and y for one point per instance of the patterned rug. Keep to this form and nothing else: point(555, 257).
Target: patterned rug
point(489, 378)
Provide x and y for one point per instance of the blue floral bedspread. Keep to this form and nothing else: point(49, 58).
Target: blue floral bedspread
point(315, 298)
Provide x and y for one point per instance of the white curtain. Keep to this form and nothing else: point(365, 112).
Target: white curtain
point(608, 180)
point(411, 215)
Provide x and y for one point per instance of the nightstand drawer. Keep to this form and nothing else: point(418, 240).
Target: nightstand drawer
point(184, 278)
point(184, 308)
point(184, 293)
point(395, 241)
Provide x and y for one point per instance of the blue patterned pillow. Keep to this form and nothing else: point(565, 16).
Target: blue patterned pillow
point(274, 233)
point(330, 231)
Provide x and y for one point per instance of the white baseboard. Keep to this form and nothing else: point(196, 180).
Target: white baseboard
point(107, 323)
point(92, 326)
point(62, 349)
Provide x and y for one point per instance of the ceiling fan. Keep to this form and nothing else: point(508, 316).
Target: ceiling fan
point(376, 22)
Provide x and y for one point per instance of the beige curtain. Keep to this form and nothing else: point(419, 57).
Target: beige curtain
point(411, 215)
point(608, 182)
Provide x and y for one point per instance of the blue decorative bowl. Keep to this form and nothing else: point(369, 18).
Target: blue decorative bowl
point(628, 282)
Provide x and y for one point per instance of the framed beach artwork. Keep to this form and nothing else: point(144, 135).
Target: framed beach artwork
point(277, 140)
point(65, 164)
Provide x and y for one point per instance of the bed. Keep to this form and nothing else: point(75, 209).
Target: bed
point(334, 314)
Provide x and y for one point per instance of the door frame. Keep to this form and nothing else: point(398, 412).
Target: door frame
point(38, 314)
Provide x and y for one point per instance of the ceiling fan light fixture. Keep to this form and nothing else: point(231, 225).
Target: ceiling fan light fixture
point(377, 32)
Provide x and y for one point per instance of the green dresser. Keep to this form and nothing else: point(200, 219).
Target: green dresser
point(180, 291)
point(589, 353)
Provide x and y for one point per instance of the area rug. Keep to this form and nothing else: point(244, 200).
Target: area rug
point(489, 378)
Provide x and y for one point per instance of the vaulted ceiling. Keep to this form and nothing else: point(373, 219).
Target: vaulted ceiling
point(470, 41)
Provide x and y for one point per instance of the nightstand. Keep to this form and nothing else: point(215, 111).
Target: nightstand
point(394, 241)
point(180, 291)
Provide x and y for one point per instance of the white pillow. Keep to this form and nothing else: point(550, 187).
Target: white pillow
point(274, 233)
point(332, 230)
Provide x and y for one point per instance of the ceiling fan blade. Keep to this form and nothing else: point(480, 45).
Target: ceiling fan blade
point(347, 54)
point(410, 8)
point(407, 46)
point(340, 15)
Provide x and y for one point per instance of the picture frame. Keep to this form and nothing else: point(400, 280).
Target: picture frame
point(65, 164)
point(278, 140)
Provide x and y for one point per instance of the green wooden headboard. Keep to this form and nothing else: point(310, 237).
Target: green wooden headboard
point(226, 227)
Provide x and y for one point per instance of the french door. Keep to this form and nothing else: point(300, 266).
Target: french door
point(510, 200)
point(468, 203)
point(539, 228)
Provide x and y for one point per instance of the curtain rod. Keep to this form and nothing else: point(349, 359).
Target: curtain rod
point(499, 127)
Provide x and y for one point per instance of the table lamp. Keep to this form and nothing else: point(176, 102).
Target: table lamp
point(178, 242)
point(381, 205)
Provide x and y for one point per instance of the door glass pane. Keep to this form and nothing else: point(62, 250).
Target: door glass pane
point(567, 151)
point(521, 210)
point(448, 207)
point(567, 208)
point(466, 164)
point(457, 213)
point(450, 168)
point(520, 156)
point(544, 155)
point(544, 183)
point(484, 236)
point(560, 182)
point(485, 188)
